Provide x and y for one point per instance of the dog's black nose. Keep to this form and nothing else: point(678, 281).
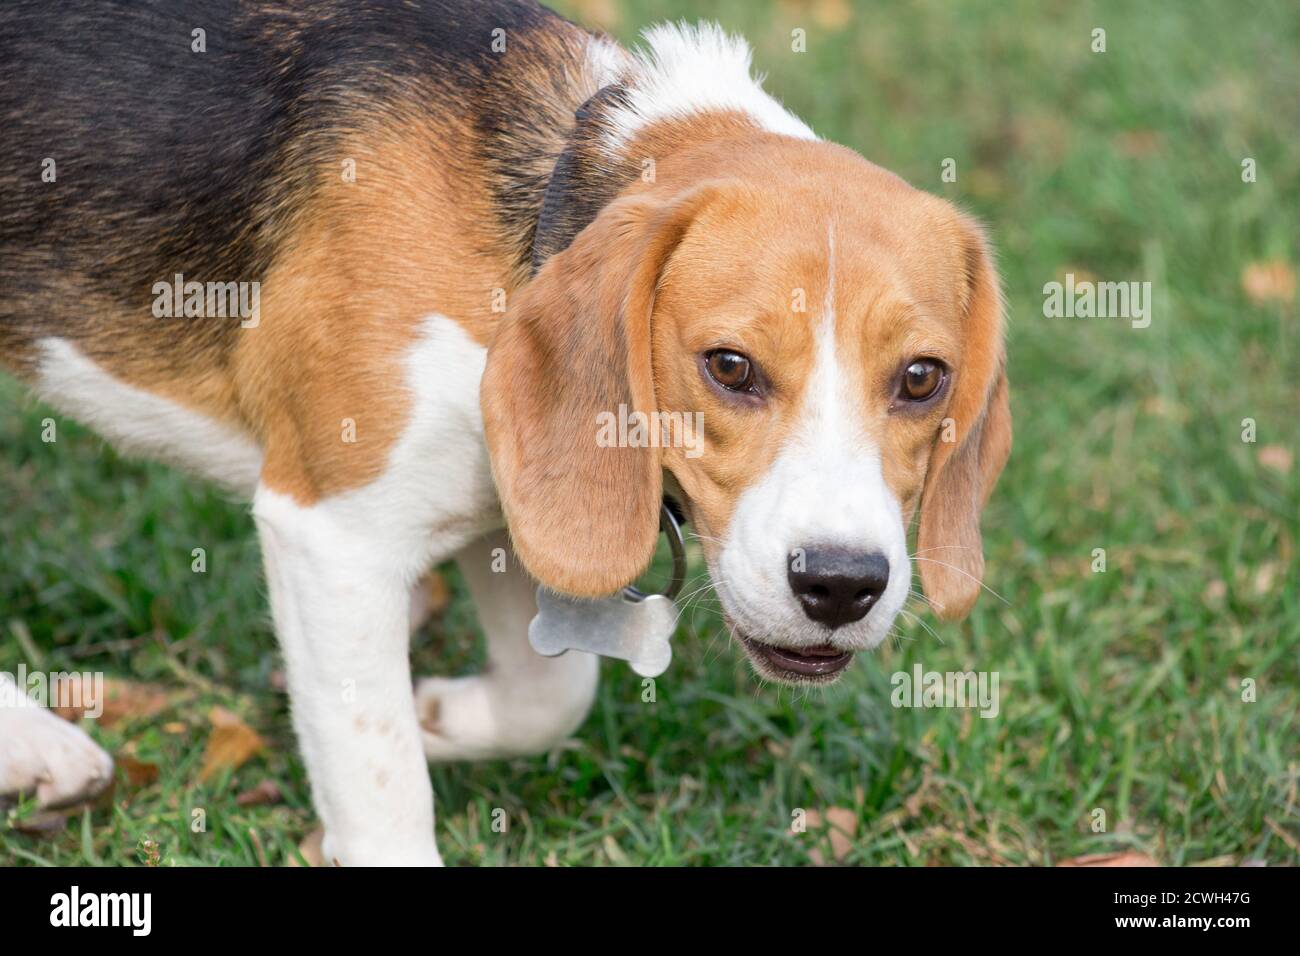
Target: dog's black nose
point(837, 586)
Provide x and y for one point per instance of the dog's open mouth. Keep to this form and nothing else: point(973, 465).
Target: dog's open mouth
point(808, 664)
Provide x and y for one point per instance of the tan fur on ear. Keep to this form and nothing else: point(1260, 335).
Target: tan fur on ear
point(962, 473)
point(583, 518)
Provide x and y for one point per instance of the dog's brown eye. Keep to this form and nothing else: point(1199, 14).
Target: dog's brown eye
point(922, 379)
point(730, 369)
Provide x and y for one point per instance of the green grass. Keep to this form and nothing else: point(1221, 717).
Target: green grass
point(1120, 691)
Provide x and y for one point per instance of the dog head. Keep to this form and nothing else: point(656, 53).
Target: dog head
point(837, 334)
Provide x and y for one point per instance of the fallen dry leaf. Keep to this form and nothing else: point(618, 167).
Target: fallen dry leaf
point(1270, 281)
point(41, 823)
point(231, 744)
point(1276, 457)
point(1215, 592)
point(1264, 577)
point(828, 14)
point(1139, 143)
point(843, 824)
point(1124, 858)
point(1165, 408)
point(265, 793)
point(51, 821)
point(139, 773)
point(832, 15)
point(120, 700)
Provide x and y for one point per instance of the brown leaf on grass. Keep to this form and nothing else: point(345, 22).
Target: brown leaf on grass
point(1264, 577)
point(265, 793)
point(1215, 592)
point(1276, 457)
point(1269, 281)
point(231, 744)
point(114, 700)
point(832, 15)
point(812, 820)
point(776, 748)
point(1163, 407)
point(49, 822)
point(1124, 858)
point(1139, 143)
point(841, 823)
point(139, 773)
point(41, 823)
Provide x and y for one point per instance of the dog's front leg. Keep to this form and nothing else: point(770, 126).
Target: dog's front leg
point(522, 703)
point(340, 595)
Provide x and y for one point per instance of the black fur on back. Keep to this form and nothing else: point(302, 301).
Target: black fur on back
point(169, 160)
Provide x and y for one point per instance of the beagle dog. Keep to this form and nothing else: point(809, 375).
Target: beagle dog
point(382, 265)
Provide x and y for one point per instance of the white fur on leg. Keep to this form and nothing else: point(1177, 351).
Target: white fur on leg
point(340, 595)
point(340, 576)
point(523, 703)
point(44, 756)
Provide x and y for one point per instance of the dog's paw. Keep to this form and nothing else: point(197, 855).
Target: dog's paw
point(456, 720)
point(496, 714)
point(46, 757)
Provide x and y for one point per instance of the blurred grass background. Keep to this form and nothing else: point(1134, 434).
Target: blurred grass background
point(1121, 691)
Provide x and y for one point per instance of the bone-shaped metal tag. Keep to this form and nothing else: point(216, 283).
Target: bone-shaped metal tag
point(636, 631)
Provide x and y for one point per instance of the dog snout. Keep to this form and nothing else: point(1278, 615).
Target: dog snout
point(837, 586)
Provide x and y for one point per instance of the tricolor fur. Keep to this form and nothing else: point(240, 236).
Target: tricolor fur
point(474, 228)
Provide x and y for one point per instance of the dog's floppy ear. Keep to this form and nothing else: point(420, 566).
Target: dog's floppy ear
point(571, 356)
point(962, 472)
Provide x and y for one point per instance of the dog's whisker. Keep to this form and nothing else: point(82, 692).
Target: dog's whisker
point(914, 617)
point(969, 575)
point(692, 536)
point(925, 599)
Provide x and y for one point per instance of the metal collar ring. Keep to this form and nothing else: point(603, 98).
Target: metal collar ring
point(668, 525)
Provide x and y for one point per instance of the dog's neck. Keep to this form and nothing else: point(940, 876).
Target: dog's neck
point(604, 118)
